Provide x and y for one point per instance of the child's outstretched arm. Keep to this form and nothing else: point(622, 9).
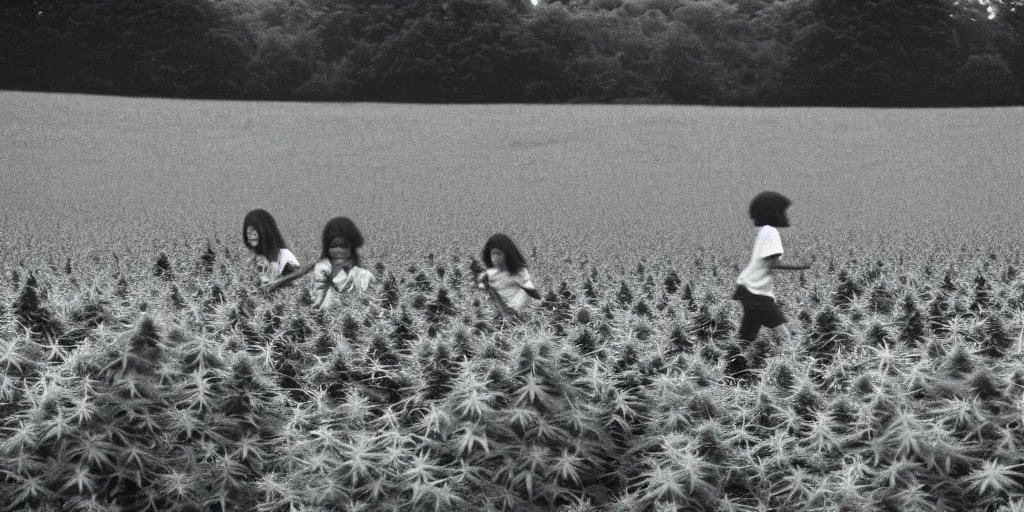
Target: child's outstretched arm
point(531, 291)
point(775, 264)
point(283, 280)
point(523, 281)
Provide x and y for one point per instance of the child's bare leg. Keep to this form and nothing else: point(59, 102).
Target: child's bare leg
point(782, 333)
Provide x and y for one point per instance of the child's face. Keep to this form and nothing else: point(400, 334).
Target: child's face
point(498, 258)
point(252, 236)
point(340, 249)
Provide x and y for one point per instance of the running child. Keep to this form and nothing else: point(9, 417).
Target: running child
point(261, 236)
point(754, 285)
point(506, 280)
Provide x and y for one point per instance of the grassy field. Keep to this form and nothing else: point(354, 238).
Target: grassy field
point(96, 170)
point(142, 369)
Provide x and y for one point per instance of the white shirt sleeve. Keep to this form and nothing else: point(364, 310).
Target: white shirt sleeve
point(768, 243)
point(523, 278)
point(285, 257)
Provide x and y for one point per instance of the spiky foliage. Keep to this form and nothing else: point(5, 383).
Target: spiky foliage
point(162, 267)
point(882, 300)
point(847, 290)
point(940, 314)
point(624, 295)
point(672, 282)
point(35, 316)
point(982, 294)
point(912, 326)
point(208, 258)
point(201, 392)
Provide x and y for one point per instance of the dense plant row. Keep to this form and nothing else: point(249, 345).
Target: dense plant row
point(801, 52)
point(169, 382)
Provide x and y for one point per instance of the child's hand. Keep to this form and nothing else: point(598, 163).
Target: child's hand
point(356, 279)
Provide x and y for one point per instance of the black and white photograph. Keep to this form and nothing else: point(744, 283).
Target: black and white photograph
point(512, 255)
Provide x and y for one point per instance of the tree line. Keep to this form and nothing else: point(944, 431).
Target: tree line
point(730, 52)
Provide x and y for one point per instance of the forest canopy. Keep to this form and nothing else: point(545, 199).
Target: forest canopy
point(730, 52)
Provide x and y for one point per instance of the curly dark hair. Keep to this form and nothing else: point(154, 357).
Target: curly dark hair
point(344, 228)
point(769, 209)
point(513, 258)
point(270, 240)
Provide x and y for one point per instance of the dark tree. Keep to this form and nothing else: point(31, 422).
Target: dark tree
point(874, 52)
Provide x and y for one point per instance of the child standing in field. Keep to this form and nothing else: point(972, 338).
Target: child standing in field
point(337, 272)
point(261, 236)
point(754, 285)
point(506, 280)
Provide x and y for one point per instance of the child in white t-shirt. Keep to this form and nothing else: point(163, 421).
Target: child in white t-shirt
point(754, 285)
point(506, 280)
point(261, 236)
point(337, 271)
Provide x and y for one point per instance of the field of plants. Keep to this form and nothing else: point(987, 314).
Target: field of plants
point(169, 382)
point(142, 368)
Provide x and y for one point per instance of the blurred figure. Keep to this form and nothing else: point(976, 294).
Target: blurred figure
point(338, 270)
point(754, 285)
point(261, 236)
point(506, 279)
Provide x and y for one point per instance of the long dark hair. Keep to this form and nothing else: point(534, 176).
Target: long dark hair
point(769, 209)
point(342, 227)
point(270, 240)
point(513, 258)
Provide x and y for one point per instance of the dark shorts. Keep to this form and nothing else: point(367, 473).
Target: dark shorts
point(758, 311)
